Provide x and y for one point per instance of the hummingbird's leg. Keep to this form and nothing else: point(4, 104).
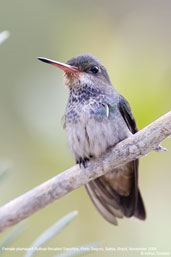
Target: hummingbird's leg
point(83, 162)
point(79, 162)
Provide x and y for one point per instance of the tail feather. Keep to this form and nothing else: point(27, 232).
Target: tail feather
point(111, 205)
point(103, 209)
point(140, 212)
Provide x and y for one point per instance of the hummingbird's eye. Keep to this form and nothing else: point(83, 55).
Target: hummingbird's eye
point(94, 69)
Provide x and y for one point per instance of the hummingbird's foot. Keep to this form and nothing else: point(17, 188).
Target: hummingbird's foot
point(83, 162)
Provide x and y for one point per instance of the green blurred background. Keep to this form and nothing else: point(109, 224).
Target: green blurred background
point(133, 40)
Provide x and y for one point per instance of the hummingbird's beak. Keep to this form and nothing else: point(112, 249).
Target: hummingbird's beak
point(62, 66)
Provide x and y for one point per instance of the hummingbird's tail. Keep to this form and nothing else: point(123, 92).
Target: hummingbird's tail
point(140, 212)
point(109, 197)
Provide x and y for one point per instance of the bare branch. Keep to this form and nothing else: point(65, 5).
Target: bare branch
point(132, 148)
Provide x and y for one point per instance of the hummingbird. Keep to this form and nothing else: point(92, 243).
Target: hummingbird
point(97, 117)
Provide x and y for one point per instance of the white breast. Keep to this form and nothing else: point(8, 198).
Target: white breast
point(91, 137)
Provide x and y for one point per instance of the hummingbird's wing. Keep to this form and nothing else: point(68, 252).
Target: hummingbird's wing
point(116, 194)
point(126, 112)
point(135, 195)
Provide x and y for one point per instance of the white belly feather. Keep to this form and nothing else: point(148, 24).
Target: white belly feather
point(91, 137)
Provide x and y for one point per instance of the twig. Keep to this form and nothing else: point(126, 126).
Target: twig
point(132, 148)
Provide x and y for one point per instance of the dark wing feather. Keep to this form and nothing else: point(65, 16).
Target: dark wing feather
point(126, 112)
point(105, 192)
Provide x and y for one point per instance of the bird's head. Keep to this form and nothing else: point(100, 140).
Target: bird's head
point(81, 70)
